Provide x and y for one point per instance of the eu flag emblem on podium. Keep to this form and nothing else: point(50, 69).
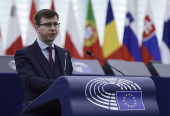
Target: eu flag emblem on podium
point(130, 100)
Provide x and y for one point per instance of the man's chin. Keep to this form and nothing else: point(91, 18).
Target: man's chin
point(52, 38)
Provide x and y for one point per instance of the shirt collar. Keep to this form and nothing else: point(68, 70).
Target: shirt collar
point(43, 45)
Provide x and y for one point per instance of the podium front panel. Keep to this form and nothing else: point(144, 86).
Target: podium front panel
point(99, 96)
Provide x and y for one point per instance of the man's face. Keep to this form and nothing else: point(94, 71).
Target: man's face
point(47, 33)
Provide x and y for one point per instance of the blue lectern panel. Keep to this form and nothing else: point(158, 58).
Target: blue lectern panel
point(99, 96)
point(11, 94)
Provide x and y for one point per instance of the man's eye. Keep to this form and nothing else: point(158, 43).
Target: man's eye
point(55, 24)
point(48, 24)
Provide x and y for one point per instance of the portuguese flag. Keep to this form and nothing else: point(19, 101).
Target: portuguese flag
point(91, 41)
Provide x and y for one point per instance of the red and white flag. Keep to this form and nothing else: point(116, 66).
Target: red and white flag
point(57, 41)
point(72, 42)
point(31, 32)
point(1, 44)
point(14, 40)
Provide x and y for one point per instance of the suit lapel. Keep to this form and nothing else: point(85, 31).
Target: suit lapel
point(41, 59)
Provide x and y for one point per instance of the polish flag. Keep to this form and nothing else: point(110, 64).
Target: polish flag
point(14, 40)
point(57, 41)
point(72, 42)
point(31, 32)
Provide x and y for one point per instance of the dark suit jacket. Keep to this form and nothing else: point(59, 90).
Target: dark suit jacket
point(34, 71)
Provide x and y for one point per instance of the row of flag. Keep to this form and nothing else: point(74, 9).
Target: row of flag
point(129, 50)
point(111, 49)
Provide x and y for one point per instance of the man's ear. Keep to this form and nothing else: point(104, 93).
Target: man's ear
point(37, 28)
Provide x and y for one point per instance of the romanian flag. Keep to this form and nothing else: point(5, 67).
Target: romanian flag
point(150, 49)
point(111, 47)
point(91, 41)
point(130, 47)
point(165, 48)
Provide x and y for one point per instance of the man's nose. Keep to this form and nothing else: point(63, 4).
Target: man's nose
point(52, 26)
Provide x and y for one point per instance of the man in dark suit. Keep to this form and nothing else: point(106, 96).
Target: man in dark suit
point(41, 63)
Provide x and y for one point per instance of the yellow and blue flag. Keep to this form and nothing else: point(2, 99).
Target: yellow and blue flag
point(111, 47)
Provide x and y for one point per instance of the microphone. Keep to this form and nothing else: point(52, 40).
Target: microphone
point(91, 54)
point(65, 63)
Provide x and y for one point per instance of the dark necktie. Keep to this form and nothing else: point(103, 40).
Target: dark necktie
point(50, 55)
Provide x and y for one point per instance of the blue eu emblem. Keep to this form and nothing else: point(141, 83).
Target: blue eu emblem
point(130, 100)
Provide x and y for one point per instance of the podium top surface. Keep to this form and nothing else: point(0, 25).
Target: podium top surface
point(162, 70)
point(129, 68)
point(86, 67)
point(7, 64)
